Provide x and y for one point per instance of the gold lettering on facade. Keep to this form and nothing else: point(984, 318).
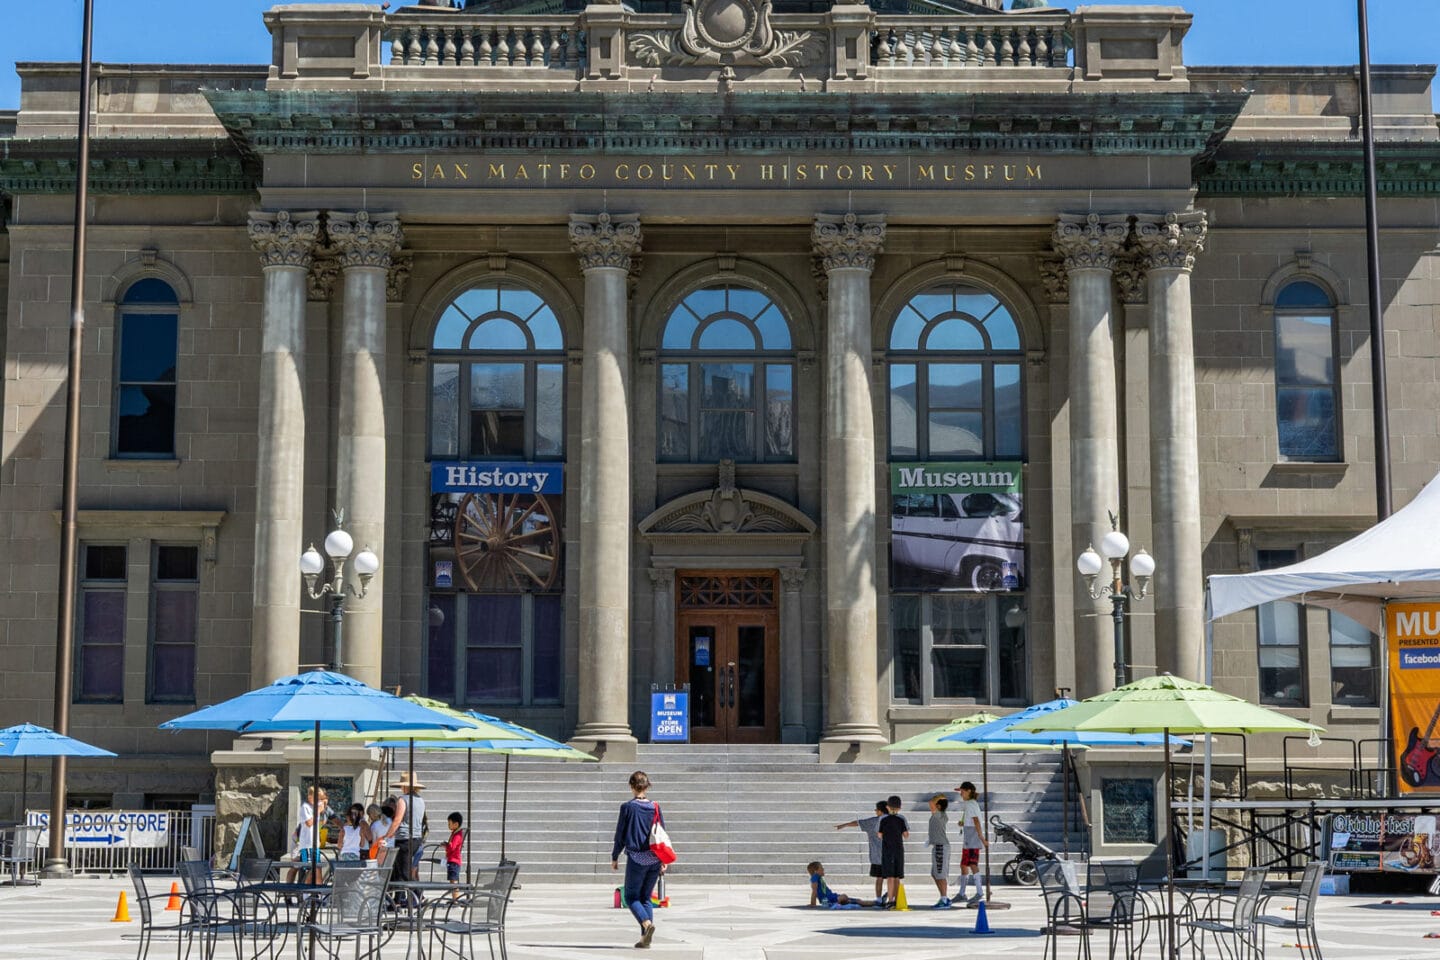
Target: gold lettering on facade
point(521, 173)
point(688, 170)
point(889, 169)
point(1009, 172)
point(544, 169)
point(969, 171)
point(438, 173)
point(587, 171)
point(417, 172)
point(989, 169)
point(622, 171)
point(710, 169)
point(644, 172)
point(497, 171)
point(462, 171)
point(564, 172)
point(926, 171)
point(1032, 172)
point(844, 171)
point(734, 169)
point(867, 172)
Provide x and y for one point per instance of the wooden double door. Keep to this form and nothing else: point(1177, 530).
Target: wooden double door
point(727, 648)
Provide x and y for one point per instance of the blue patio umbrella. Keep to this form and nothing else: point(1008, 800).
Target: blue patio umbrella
point(319, 700)
point(1002, 733)
point(26, 740)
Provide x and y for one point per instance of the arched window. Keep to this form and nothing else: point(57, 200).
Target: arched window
point(955, 390)
point(727, 379)
point(497, 377)
point(147, 326)
point(1306, 401)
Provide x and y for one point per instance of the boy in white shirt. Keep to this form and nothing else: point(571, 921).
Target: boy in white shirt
point(972, 840)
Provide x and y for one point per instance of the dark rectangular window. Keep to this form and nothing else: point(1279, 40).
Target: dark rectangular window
point(1281, 641)
point(1305, 395)
point(958, 646)
point(145, 384)
point(1127, 809)
point(1354, 677)
point(100, 625)
point(174, 624)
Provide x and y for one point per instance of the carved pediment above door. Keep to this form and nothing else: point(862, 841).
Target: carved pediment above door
point(727, 511)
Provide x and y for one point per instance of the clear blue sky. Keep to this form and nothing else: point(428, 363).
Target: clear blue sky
point(1315, 32)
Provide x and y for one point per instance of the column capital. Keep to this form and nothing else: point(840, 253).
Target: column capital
point(364, 239)
point(397, 281)
point(793, 577)
point(605, 240)
point(285, 238)
point(1170, 241)
point(663, 578)
point(1053, 276)
point(1089, 241)
point(848, 241)
point(1130, 278)
point(324, 271)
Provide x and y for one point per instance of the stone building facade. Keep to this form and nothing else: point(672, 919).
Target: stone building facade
point(793, 353)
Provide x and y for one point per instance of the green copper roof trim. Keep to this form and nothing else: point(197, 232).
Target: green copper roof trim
point(403, 122)
point(47, 165)
point(1290, 169)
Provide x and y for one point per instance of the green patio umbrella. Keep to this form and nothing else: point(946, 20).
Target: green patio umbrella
point(1167, 705)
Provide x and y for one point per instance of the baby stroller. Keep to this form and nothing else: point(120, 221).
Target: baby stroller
point(1021, 867)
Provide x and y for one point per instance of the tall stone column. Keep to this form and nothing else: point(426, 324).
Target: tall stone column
point(605, 245)
point(1089, 244)
point(285, 242)
point(792, 657)
point(847, 245)
point(1168, 245)
point(364, 242)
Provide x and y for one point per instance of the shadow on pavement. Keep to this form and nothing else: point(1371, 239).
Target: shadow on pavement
point(925, 933)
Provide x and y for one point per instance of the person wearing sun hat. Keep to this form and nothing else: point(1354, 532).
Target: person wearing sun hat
point(406, 827)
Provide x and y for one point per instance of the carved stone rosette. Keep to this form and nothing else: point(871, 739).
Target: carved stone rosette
point(1089, 241)
point(364, 239)
point(604, 240)
point(1170, 242)
point(727, 32)
point(848, 241)
point(1054, 278)
point(285, 238)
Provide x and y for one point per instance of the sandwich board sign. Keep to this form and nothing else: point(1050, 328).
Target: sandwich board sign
point(669, 716)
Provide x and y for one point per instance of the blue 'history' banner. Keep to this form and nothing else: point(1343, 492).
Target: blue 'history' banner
point(497, 477)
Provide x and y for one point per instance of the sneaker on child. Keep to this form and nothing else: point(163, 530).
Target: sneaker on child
point(942, 904)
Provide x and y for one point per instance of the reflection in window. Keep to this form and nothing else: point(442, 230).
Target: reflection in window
point(721, 396)
point(1305, 381)
point(957, 647)
point(1281, 640)
point(147, 327)
point(954, 378)
point(1354, 676)
point(100, 625)
point(174, 623)
point(497, 377)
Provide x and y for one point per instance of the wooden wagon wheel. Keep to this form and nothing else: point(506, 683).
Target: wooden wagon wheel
point(502, 544)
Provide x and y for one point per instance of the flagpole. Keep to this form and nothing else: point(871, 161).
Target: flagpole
point(1378, 392)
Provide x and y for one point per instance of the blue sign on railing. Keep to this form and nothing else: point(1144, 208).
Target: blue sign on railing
point(471, 476)
point(669, 716)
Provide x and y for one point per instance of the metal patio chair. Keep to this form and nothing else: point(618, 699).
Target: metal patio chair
point(208, 911)
point(1065, 912)
point(17, 852)
point(1304, 902)
point(353, 910)
point(1239, 936)
point(480, 910)
point(1113, 904)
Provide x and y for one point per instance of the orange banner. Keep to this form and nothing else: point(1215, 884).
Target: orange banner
point(1412, 632)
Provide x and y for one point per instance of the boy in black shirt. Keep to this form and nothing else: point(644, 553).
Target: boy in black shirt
point(894, 831)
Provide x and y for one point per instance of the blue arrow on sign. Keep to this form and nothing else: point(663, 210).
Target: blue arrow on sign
point(109, 839)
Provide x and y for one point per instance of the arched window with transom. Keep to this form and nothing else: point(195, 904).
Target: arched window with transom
point(497, 377)
point(727, 379)
point(146, 348)
point(1306, 387)
point(958, 622)
point(955, 378)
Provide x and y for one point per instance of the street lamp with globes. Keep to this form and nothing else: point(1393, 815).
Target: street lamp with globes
point(1114, 546)
point(338, 546)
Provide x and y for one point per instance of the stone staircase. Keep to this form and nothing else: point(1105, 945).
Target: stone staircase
point(734, 812)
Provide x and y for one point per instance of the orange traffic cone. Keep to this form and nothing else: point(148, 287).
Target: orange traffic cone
point(174, 902)
point(122, 910)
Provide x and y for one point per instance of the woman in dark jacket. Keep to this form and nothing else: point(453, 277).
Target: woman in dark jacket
point(642, 868)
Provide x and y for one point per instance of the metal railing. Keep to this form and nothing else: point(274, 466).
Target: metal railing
point(186, 828)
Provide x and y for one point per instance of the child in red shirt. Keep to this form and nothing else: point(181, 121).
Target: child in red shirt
point(453, 847)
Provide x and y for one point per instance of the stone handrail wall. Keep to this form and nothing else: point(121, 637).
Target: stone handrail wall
point(1041, 39)
point(450, 39)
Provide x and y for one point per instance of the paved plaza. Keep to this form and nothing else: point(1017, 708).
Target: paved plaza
point(716, 922)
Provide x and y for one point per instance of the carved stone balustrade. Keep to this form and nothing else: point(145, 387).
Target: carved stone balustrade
point(726, 45)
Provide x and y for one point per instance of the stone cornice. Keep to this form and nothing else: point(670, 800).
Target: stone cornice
point(1300, 169)
point(47, 165)
point(404, 122)
point(603, 240)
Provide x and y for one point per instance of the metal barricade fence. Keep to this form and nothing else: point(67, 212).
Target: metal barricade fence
point(185, 828)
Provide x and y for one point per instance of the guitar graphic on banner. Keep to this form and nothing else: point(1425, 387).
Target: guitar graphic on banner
point(1415, 761)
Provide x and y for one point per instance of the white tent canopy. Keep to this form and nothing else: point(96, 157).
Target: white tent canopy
point(1397, 559)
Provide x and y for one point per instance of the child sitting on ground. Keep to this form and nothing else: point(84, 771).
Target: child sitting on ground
point(822, 896)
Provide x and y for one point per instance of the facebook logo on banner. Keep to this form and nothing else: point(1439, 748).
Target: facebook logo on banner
point(1428, 659)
